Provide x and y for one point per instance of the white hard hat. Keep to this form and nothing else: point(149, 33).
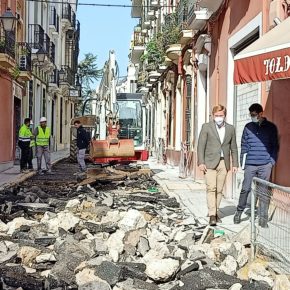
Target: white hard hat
point(31, 122)
point(42, 119)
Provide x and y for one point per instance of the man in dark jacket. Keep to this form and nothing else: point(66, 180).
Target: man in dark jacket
point(259, 150)
point(82, 144)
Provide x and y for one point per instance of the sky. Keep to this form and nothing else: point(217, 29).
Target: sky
point(104, 29)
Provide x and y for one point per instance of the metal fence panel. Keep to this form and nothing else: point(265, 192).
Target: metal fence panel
point(270, 223)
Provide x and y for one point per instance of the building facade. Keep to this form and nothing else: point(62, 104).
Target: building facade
point(196, 72)
point(38, 65)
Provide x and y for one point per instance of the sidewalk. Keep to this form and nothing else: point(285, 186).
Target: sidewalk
point(192, 196)
point(13, 174)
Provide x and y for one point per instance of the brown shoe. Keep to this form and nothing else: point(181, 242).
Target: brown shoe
point(212, 220)
point(218, 219)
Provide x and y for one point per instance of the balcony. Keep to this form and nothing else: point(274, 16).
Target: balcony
point(52, 52)
point(151, 15)
point(197, 19)
point(24, 61)
point(138, 47)
point(68, 16)
point(136, 11)
point(36, 37)
point(66, 76)
point(186, 34)
point(7, 50)
point(153, 76)
point(212, 6)
point(182, 14)
point(174, 52)
point(54, 80)
point(154, 4)
point(53, 21)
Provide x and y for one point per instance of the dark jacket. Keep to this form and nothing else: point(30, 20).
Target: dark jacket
point(83, 140)
point(260, 143)
point(209, 146)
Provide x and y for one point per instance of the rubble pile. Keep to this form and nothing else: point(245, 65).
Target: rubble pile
point(114, 235)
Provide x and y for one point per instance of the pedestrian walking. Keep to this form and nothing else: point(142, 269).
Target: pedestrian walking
point(83, 142)
point(24, 140)
point(259, 151)
point(216, 147)
point(42, 133)
point(32, 145)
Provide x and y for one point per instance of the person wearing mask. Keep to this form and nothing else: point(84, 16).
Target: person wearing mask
point(24, 140)
point(82, 144)
point(42, 137)
point(259, 152)
point(216, 148)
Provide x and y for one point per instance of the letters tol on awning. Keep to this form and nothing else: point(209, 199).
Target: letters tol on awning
point(268, 58)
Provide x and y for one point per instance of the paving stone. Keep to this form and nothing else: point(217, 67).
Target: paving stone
point(140, 284)
point(207, 278)
point(109, 272)
point(193, 267)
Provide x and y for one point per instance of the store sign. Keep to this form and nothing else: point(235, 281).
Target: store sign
point(277, 64)
point(73, 93)
point(263, 67)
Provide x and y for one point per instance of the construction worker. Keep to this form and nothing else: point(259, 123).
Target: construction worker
point(42, 134)
point(25, 136)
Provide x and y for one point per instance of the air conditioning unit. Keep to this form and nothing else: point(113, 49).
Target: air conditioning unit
point(22, 62)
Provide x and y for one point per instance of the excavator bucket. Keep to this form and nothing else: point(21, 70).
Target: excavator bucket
point(107, 149)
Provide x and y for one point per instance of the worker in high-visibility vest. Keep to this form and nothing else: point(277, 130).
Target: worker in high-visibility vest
point(24, 139)
point(42, 137)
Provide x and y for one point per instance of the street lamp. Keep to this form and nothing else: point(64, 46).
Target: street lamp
point(8, 20)
point(40, 55)
point(79, 86)
point(61, 75)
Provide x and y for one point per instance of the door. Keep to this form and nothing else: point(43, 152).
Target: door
point(16, 126)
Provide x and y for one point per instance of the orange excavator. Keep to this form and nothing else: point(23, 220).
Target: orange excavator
point(117, 127)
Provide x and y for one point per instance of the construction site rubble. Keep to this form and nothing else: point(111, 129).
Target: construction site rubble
point(113, 234)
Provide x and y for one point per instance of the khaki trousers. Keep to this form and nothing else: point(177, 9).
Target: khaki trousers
point(215, 180)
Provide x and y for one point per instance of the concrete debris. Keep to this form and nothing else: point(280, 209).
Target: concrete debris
point(111, 232)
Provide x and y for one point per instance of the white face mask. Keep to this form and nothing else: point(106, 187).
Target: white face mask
point(219, 120)
point(255, 119)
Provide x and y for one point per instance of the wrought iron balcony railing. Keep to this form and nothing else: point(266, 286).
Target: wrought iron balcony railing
point(24, 56)
point(54, 19)
point(36, 36)
point(191, 10)
point(68, 76)
point(68, 14)
point(182, 14)
point(46, 44)
point(66, 11)
point(52, 52)
point(7, 44)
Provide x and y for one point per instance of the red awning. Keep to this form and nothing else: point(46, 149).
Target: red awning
point(268, 58)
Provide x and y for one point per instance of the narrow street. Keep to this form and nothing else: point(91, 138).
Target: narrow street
point(120, 231)
point(144, 144)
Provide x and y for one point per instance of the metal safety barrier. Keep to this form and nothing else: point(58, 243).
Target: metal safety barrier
point(270, 223)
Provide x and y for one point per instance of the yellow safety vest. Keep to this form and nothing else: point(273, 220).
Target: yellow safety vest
point(42, 138)
point(25, 134)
